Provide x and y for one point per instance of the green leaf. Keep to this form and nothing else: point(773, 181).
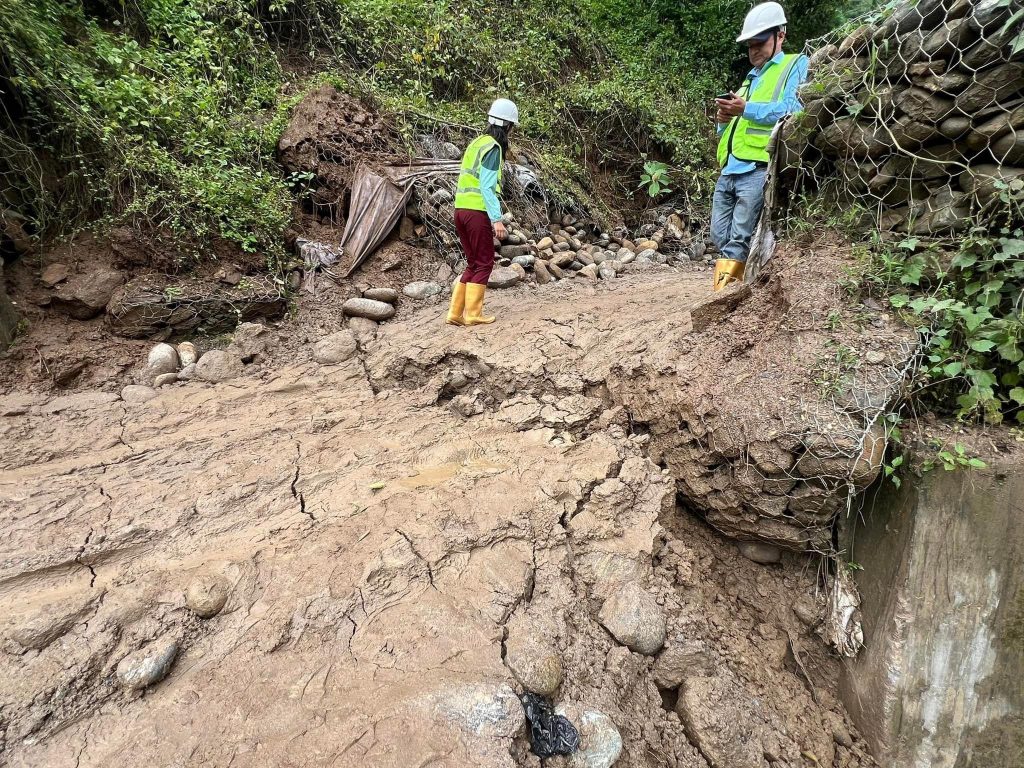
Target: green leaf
point(1017, 395)
point(1011, 352)
point(899, 300)
point(976, 463)
point(1012, 246)
point(953, 369)
point(982, 345)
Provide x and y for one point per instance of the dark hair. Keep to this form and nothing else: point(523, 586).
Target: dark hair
point(500, 134)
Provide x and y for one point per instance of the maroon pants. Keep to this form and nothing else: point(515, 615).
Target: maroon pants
point(474, 228)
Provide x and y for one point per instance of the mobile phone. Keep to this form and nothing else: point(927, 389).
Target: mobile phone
point(726, 96)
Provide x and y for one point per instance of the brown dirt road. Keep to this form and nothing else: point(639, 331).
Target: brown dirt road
point(387, 528)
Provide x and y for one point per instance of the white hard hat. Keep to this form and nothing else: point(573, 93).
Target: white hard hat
point(762, 18)
point(503, 112)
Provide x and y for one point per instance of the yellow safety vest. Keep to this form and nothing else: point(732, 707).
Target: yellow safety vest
point(468, 195)
point(743, 138)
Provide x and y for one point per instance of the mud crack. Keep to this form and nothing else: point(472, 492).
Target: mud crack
point(430, 570)
point(296, 493)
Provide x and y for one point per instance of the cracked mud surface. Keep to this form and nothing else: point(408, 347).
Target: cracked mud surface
point(385, 526)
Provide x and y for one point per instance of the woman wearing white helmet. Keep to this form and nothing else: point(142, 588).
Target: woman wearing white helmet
point(745, 122)
point(478, 213)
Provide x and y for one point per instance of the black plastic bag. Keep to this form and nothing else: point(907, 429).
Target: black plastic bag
point(550, 734)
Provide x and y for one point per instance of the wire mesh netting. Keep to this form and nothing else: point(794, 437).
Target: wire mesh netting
point(917, 114)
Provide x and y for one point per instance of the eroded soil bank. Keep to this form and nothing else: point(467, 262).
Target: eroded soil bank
point(392, 530)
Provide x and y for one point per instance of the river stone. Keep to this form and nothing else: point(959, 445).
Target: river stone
point(534, 664)
point(623, 253)
point(544, 243)
point(606, 272)
point(335, 348)
point(217, 365)
point(163, 380)
point(163, 358)
point(556, 271)
point(526, 262)
point(589, 272)
point(586, 258)
point(206, 595)
point(137, 393)
point(540, 269)
point(148, 665)
point(647, 245)
point(563, 259)
point(759, 552)
point(505, 277)
point(628, 258)
point(600, 740)
point(387, 295)
point(371, 309)
point(634, 619)
point(647, 255)
point(422, 290)
point(188, 372)
point(187, 353)
point(511, 251)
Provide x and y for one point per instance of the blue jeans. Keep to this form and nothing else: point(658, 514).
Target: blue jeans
point(735, 211)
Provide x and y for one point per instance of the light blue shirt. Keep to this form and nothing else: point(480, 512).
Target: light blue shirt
point(489, 184)
point(768, 113)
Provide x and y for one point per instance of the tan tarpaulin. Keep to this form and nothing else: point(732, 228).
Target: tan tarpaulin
point(379, 197)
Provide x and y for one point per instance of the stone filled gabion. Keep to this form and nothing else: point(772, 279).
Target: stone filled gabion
point(918, 116)
point(561, 248)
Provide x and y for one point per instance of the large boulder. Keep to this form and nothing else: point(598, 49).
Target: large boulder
point(218, 365)
point(368, 308)
point(85, 295)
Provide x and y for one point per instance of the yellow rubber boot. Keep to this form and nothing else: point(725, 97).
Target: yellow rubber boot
point(475, 305)
point(728, 271)
point(458, 306)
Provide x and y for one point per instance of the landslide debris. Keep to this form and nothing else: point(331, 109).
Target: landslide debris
point(386, 557)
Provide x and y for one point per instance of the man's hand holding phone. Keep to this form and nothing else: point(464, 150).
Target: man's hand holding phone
point(729, 106)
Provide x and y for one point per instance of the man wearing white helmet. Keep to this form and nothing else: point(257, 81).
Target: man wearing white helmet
point(745, 122)
point(478, 213)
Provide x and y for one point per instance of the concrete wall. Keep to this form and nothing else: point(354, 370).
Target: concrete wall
point(940, 682)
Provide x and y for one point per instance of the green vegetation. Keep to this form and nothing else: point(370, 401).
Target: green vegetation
point(655, 179)
point(165, 113)
point(968, 312)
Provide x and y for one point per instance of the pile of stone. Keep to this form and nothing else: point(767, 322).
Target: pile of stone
point(573, 249)
point(919, 115)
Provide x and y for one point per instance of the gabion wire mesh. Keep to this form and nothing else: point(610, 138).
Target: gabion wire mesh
point(917, 114)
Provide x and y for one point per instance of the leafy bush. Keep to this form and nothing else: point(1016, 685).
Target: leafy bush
point(166, 112)
point(971, 320)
